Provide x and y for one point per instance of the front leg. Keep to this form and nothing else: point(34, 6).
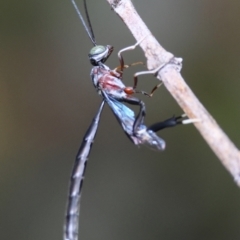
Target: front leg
point(120, 57)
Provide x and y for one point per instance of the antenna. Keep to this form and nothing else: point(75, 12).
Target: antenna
point(88, 20)
point(88, 28)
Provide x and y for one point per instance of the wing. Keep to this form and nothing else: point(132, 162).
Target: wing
point(126, 117)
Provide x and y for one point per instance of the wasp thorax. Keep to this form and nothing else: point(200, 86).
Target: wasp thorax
point(99, 54)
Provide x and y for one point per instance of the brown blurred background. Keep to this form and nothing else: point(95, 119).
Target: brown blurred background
point(47, 102)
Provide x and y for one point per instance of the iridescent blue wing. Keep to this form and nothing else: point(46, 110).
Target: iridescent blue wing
point(126, 117)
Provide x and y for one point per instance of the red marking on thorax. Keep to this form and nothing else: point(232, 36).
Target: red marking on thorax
point(110, 80)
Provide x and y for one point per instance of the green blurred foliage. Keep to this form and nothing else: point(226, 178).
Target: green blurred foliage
point(47, 102)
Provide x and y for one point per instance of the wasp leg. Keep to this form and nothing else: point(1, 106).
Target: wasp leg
point(154, 71)
point(120, 57)
point(118, 68)
point(172, 122)
point(139, 120)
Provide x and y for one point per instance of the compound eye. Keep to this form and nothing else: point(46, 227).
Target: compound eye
point(97, 50)
point(99, 54)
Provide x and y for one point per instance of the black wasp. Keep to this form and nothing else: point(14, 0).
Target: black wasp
point(109, 84)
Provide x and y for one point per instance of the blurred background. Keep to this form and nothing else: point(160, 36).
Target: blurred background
point(47, 102)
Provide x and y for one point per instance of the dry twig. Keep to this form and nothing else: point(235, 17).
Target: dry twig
point(156, 55)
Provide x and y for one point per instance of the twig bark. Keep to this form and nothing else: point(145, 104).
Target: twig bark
point(170, 75)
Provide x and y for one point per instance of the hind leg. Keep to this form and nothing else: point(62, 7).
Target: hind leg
point(139, 119)
point(172, 122)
